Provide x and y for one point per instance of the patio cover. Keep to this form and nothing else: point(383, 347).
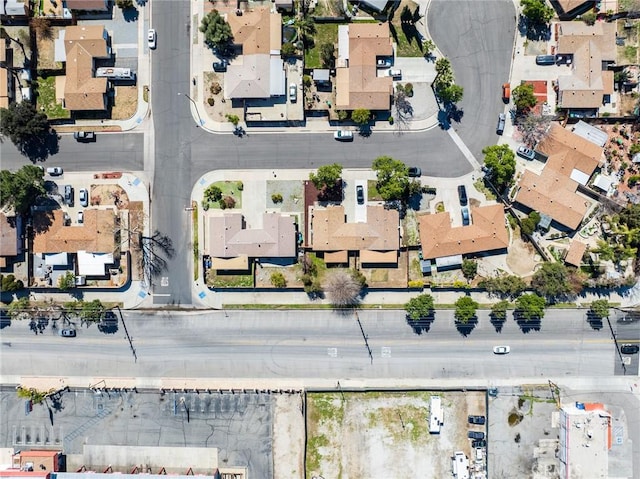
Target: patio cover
point(387, 257)
point(56, 259)
point(93, 264)
point(448, 261)
point(336, 257)
point(239, 263)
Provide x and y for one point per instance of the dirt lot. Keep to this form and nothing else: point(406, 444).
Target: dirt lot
point(125, 102)
point(288, 437)
point(385, 434)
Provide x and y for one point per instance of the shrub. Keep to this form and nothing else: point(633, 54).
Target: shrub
point(278, 280)
point(342, 115)
point(391, 120)
point(213, 193)
point(416, 283)
point(233, 119)
point(408, 89)
point(288, 49)
point(211, 101)
point(276, 198)
point(227, 203)
point(633, 180)
point(306, 81)
point(215, 88)
point(240, 186)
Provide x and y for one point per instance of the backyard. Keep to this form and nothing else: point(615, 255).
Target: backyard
point(325, 33)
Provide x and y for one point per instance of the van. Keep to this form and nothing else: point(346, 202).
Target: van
point(546, 60)
point(502, 120)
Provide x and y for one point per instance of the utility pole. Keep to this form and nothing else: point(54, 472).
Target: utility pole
point(133, 350)
point(366, 339)
point(615, 341)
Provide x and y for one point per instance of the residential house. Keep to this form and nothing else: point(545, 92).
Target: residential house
point(572, 160)
point(376, 241)
point(87, 5)
point(14, 8)
point(575, 253)
point(591, 48)
point(569, 9)
point(6, 79)
point(359, 83)
point(57, 245)
point(258, 73)
point(447, 244)
point(232, 245)
point(10, 241)
point(79, 46)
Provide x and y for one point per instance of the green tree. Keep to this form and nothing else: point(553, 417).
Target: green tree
point(212, 193)
point(23, 124)
point(67, 281)
point(600, 308)
point(551, 281)
point(529, 224)
point(530, 307)
point(124, 4)
point(420, 307)
point(278, 280)
point(466, 309)
point(233, 119)
point(19, 306)
point(327, 55)
point(306, 28)
point(393, 178)
point(537, 11)
point(327, 176)
point(469, 268)
point(20, 189)
point(10, 283)
point(504, 285)
point(428, 47)
point(630, 216)
point(288, 49)
point(361, 116)
point(451, 93)
point(499, 310)
point(524, 98)
point(217, 32)
point(443, 67)
point(501, 162)
point(92, 310)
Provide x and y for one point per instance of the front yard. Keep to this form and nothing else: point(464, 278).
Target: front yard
point(47, 99)
point(404, 31)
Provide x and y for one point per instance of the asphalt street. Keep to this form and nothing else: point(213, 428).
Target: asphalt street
point(321, 344)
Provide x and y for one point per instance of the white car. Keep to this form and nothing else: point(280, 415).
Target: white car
point(152, 38)
point(526, 153)
point(293, 92)
point(343, 135)
point(395, 73)
point(54, 171)
point(501, 350)
point(80, 217)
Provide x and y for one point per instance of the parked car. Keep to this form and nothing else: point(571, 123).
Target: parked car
point(383, 63)
point(415, 172)
point(545, 60)
point(502, 120)
point(152, 38)
point(526, 153)
point(84, 197)
point(54, 171)
point(360, 194)
point(84, 135)
point(462, 194)
point(465, 216)
point(476, 420)
point(293, 92)
point(220, 66)
point(629, 348)
point(479, 443)
point(80, 217)
point(475, 435)
point(68, 195)
point(343, 135)
point(68, 333)
point(506, 92)
point(501, 350)
point(395, 73)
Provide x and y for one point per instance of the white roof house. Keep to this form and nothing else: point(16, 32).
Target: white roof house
point(93, 264)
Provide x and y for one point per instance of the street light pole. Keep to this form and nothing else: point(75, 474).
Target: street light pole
point(195, 106)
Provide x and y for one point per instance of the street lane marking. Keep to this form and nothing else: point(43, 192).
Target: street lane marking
point(332, 352)
point(386, 352)
point(164, 282)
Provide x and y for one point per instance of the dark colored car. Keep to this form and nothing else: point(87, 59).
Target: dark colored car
point(502, 121)
point(360, 194)
point(220, 66)
point(475, 435)
point(415, 172)
point(68, 195)
point(476, 420)
point(465, 216)
point(479, 443)
point(68, 333)
point(545, 60)
point(629, 348)
point(462, 194)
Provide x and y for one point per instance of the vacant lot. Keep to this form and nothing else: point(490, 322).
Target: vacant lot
point(385, 434)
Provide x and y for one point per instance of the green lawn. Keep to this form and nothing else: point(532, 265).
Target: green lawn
point(223, 280)
point(404, 33)
point(325, 33)
point(47, 99)
point(229, 188)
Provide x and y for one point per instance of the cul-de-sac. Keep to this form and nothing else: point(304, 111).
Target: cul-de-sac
point(320, 239)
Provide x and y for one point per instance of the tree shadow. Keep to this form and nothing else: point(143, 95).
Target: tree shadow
point(422, 325)
point(455, 113)
point(42, 221)
point(527, 325)
point(40, 148)
point(443, 120)
point(497, 322)
point(365, 130)
point(466, 328)
point(594, 321)
point(130, 14)
point(534, 31)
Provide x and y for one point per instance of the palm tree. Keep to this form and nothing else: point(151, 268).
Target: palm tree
point(306, 28)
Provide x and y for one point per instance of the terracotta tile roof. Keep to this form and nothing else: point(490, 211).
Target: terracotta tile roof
point(554, 195)
point(98, 5)
point(569, 5)
point(8, 237)
point(82, 90)
point(487, 233)
point(95, 235)
point(357, 83)
point(257, 30)
point(226, 236)
point(590, 47)
point(575, 253)
point(330, 231)
point(568, 151)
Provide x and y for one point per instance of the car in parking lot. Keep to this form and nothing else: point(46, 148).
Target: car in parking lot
point(80, 217)
point(360, 194)
point(84, 197)
point(68, 333)
point(54, 171)
point(479, 443)
point(501, 350)
point(476, 420)
point(526, 153)
point(502, 120)
point(293, 92)
point(68, 195)
point(152, 38)
point(465, 216)
point(343, 135)
point(84, 135)
point(475, 435)
point(462, 194)
point(221, 66)
point(414, 172)
point(629, 348)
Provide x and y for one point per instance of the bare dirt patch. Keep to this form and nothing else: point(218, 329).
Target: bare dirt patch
point(288, 437)
point(522, 257)
point(125, 102)
point(46, 50)
point(109, 195)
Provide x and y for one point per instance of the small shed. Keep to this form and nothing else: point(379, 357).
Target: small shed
point(320, 75)
point(603, 182)
point(449, 262)
point(593, 134)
